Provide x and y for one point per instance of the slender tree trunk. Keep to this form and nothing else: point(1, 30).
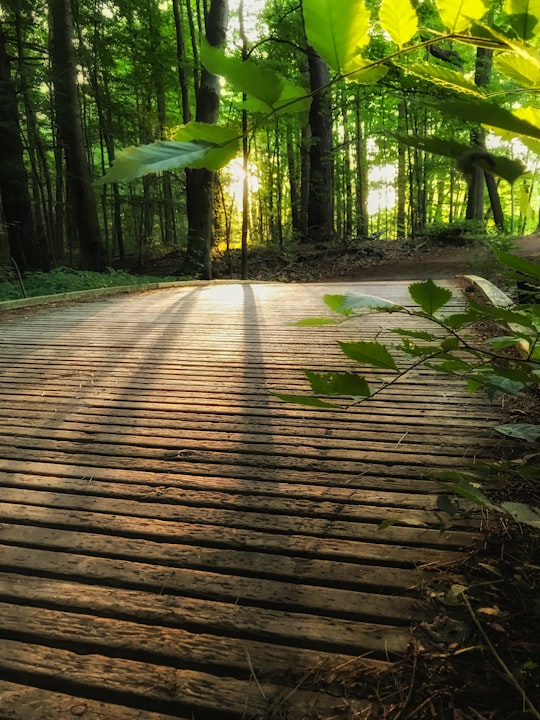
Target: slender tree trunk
point(362, 216)
point(181, 61)
point(305, 172)
point(321, 194)
point(16, 199)
point(294, 185)
point(200, 183)
point(68, 117)
point(245, 155)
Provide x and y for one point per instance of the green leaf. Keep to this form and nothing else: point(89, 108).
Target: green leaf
point(521, 431)
point(365, 71)
point(429, 296)
point(525, 267)
point(446, 505)
point(294, 98)
point(526, 514)
point(371, 353)
point(502, 314)
point(399, 19)
point(305, 400)
point(499, 343)
point(335, 303)
point(134, 162)
point(337, 30)
point(416, 334)
point(244, 75)
point(450, 343)
point(458, 15)
point(226, 142)
point(352, 301)
point(307, 322)
point(470, 492)
point(523, 16)
point(479, 111)
point(459, 320)
point(519, 69)
point(443, 77)
point(338, 383)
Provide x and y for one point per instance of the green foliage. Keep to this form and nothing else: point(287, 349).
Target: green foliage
point(338, 31)
point(460, 15)
point(451, 354)
point(524, 17)
point(399, 19)
point(65, 280)
point(429, 296)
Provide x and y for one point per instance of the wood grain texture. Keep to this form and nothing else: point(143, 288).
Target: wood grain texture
point(177, 542)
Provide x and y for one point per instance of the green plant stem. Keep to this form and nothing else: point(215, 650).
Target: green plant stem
point(508, 673)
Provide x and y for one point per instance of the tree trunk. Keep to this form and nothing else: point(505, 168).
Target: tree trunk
point(362, 216)
point(200, 183)
point(16, 199)
point(320, 205)
point(68, 118)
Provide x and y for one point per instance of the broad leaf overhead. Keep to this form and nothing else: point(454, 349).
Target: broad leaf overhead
point(399, 19)
point(458, 15)
point(524, 17)
point(135, 162)
point(337, 30)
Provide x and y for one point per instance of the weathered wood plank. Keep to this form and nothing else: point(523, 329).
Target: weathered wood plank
point(21, 702)
point(163, 517)
point(281, 627)
point(217, 586)
point(173, 689)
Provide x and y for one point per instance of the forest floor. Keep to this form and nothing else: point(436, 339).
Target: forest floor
point(373, 260)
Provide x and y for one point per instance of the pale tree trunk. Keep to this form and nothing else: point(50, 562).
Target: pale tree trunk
point(68, 118)
point(200, 183)
point(362, 189)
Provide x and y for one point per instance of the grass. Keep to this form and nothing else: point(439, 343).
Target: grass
point(64, 280)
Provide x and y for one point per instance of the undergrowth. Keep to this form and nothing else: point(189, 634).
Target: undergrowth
point(64, 280)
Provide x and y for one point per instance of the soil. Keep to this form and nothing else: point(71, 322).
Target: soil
point(369, 260)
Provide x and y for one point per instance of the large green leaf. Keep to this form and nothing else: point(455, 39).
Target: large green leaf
point(519, 69)
point(525, 267)
point(226, 142)
point(458, 15)
point(337, 30)
point(442, 76)
point(370, 353)
point(429, 296)
point(338, 383)
point(134, 162)
point(335, 303)
point(524, 17)
point(244, 75)
point(294, 98)
point(484, 112)
point(502, 314)
point(365, 71)
point(352, 301)
point(399, 19)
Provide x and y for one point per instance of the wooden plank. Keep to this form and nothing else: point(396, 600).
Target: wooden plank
point(21, 702)
point(314, 571)
point(225, 656)
point(227, 619)
point(174, 690)
point(217, 586)
point(404, 545)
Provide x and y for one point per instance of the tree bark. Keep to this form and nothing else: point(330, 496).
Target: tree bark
point(16, 199)
point(68, 118)
point(321, 194)
point(200, 183)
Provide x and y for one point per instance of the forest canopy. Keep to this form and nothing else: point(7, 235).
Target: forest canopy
point(132, 129)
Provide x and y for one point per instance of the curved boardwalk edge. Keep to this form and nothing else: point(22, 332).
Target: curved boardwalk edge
point(176, 542)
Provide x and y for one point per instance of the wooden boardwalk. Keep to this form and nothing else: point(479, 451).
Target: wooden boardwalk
point(175, 542)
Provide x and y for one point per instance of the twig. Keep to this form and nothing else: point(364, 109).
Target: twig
point(411, 687)
point(508, 673)
point(252, 671)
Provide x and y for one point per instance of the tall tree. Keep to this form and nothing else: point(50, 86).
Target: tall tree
point(320, 204)
point(68, 119)
point(14, 190)
point(200, 183)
